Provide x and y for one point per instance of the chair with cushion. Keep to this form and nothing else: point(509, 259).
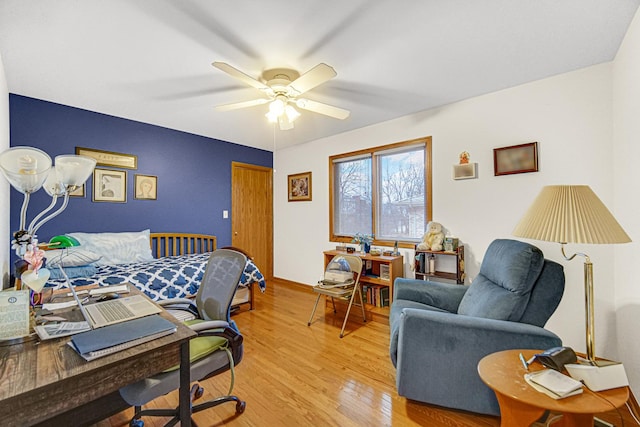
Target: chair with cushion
point(440, 331)
point(217, 348)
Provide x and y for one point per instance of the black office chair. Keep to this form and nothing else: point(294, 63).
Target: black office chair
point(217, 348)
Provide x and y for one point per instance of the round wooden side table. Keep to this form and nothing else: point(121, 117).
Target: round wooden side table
point(521, 405)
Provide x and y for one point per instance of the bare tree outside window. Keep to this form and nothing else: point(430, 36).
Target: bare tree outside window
point(400, 206)
point(353, 197)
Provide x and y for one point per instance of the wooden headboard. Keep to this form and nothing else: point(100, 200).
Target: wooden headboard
point(171, 244)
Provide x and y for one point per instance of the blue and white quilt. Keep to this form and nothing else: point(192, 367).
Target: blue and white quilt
point(163, 278)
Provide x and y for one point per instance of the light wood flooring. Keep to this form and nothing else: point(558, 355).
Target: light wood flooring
point(295, 375)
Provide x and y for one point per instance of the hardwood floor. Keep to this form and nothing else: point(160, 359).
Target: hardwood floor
point(295, 375)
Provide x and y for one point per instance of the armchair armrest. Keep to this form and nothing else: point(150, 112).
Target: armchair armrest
point(444, 296)
point(209, 324)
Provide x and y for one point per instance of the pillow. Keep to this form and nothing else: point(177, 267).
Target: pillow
point(117, 248)
point(73, 272)
point(70, 257)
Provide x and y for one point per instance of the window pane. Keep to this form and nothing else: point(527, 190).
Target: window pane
point(401, 207)
point(352, 197)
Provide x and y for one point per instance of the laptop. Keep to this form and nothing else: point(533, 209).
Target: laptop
point(114, 311)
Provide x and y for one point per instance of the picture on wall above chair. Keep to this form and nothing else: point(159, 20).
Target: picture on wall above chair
point(515, 159)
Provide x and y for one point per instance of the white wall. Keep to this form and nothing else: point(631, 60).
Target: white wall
point(626, 145)
point(4, 186)
point(570, 116)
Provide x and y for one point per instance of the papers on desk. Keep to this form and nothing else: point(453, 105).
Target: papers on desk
point(110, 339)
point(553, 383)
point(14, 314)
point(58, 330)
point(120, 289)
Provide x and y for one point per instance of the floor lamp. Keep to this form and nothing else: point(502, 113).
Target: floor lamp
point(573, 214)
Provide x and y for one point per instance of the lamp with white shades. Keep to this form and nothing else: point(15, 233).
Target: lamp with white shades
point(28, 169)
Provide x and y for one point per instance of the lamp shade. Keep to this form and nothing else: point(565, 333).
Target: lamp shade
point(570, 214)
point(73, 170)
point(52, 185)
point(25, 168)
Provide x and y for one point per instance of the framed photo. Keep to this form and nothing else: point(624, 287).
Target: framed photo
point(299, 187)
point(109, 186)
point(515, 159)
point(465, 171)
point(146, 187)
point(110, 158)
point(78, 192)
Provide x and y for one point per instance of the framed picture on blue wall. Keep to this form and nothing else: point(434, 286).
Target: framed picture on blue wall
point(109, 186)
point(145, 187)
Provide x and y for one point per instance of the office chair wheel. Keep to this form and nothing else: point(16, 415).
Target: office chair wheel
point(196, 392)
point(136, 423)
point(241, 406)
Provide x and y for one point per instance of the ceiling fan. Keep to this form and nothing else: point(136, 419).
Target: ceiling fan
point(282, 86)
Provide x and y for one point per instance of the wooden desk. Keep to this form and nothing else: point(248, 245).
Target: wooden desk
point(521, 404)
point(41, 381)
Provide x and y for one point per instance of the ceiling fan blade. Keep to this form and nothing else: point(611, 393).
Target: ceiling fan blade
point(244, 104)
point(312, 78)
point(326, 109)
point(245, 78)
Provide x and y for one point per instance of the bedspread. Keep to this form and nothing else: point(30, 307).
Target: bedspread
point(163, 278)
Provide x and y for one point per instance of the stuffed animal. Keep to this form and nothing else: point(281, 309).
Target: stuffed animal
point(433, 238)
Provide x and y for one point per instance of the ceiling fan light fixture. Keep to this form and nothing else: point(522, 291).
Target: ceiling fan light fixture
point(272, 117)
point(277, 106)
point(292, 113)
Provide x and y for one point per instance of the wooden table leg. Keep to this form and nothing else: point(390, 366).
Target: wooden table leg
point(184, 397)
point(516, 414)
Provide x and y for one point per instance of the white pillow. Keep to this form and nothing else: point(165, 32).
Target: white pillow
point(70, 257)
point(117, 248)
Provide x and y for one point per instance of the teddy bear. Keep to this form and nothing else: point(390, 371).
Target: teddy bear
point(433, 238)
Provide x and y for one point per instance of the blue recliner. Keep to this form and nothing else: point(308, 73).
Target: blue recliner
point(440, 331)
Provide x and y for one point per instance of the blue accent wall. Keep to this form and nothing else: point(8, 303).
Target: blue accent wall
point(194, 172)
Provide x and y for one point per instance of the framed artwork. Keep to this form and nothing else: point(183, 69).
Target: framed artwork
point(515, 159)
point(109, 186)
point(78, 192)
point(299, 187)
point(110, 158)
point(146, 187)
point(465, 171)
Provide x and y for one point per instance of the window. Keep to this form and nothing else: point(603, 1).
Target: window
point(385, 191)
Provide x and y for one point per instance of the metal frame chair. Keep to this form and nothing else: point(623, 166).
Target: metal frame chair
point(344, 290)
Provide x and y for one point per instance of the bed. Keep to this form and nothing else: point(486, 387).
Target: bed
point(162, 265)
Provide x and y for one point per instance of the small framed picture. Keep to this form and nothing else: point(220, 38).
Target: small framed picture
point(146, 187)
point(299, 187)
point(515, 159)
point(109, 186)
point(78, 192)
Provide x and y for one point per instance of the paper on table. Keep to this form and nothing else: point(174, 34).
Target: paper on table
point(51, 306)
point(14, 314)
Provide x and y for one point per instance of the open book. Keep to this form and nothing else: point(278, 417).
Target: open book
point(553, 383)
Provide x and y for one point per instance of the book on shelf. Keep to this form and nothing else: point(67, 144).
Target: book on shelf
point(377, 295)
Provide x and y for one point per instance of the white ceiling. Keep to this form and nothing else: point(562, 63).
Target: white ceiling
point(150, 60)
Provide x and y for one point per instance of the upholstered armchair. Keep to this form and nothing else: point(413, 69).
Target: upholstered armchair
point(440, 331)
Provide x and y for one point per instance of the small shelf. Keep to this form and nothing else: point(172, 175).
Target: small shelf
point(421, 264)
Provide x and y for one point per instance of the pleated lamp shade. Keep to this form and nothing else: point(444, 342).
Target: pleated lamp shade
point(570, 214)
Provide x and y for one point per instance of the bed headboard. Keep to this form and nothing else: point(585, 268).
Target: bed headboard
point(171, 244)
